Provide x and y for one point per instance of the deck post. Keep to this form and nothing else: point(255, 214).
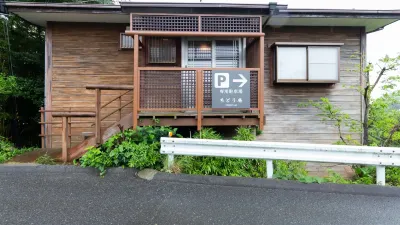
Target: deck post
point(64, 139)
point(261, 84)
point(98, 116)
point(199, 97)
point(135, 81)
point(42, 125)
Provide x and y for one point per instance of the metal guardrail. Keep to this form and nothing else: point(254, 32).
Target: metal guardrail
point(362, 155)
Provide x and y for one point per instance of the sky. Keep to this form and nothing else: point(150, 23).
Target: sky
point(386, 41)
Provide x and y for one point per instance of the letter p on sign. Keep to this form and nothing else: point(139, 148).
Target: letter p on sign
point(221, 80)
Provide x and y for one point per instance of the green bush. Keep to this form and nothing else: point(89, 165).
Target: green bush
point(244, 134)
point(222, 166)
point(8, 151)
point(367, 175)
point(138, 148)
point(207, 133)
point(45, 160)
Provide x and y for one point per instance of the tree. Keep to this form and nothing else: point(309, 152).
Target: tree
point(385, 65)
point(379, 115)
point(384, 121)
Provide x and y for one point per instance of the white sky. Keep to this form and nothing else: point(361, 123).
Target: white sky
point(386, 41)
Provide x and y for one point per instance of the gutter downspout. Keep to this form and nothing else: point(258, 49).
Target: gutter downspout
point(273, 10)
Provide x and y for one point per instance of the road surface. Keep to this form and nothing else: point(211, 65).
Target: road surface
point(48, 197)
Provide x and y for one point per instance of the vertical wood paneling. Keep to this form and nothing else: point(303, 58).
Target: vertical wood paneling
point(87, 53)
point(48, 80)
point(285, 121)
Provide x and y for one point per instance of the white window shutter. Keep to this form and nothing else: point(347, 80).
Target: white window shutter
point(323, 63)
point(291, 63)
point(227, 54)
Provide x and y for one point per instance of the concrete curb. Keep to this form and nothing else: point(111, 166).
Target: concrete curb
point(37, 168)
point(354, 189)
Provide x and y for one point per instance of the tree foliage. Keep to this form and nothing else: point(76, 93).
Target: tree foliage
point(381, 120)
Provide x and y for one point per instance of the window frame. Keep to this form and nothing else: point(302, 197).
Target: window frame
point(147, 53)
point(242, 49)
point(306, 45)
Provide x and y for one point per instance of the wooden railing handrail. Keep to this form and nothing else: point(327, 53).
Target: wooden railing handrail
point(63, 111)
point(109, 87)
point(74, 114)
point(115, 98)
point(116, 110)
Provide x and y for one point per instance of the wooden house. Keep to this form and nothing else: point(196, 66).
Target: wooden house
point(136, 64)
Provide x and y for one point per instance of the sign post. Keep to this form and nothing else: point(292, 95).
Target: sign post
point(231, 89)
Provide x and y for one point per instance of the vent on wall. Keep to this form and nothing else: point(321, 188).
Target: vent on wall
point(125, 41)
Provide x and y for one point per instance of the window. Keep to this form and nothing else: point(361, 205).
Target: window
point(199, 54)
point(161, 50)
point(307, 62)
point(213, 53)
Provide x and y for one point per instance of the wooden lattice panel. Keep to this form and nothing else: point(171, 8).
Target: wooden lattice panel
point(230, 24)
point(207, 87)
point(165, 23)
point(167, 89)
point(253, 89)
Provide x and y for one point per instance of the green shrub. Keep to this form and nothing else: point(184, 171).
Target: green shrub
point(45, 160)
point(367, 175)
point(289, 170)
point(207, 133)
point(222, 166)
point(138, 148)
point(8, 151)
point(244, 134)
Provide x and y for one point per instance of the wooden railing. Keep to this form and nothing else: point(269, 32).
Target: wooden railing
point(172, 89)
point(99, 107)
point(66, 128)
point(45, 134)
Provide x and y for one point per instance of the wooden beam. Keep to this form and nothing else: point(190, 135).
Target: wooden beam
point(193, 69)
point(42, 128)
point(136, 90)
point(261, 84)
point(64, 139)
point(98, 116)
point(185, 122)
point(109, 87)
point(199, 97)
point(192, 34)
point(74, 114)
point(48, 79)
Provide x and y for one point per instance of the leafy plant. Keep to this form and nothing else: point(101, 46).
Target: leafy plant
point(244, 134)
point(45, 160)
point(8, 151)
point(207, 133)
point(222, 166)
point(330, 113)
point(139, 148)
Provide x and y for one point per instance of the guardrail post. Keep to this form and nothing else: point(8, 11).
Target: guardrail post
point(270, 169)
point(380, 175)
point(170, 161)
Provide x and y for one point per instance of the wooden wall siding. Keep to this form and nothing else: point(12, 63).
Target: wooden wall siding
point(285, 121)
point(82, 54)
point(252, 54)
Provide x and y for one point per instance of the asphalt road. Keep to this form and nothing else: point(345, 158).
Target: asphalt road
point(83, 198)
